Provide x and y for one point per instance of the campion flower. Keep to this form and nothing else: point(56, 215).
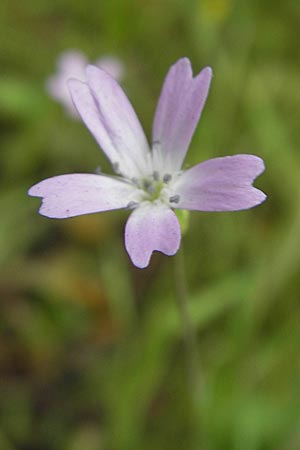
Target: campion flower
point(72, 63)
point(149, 182)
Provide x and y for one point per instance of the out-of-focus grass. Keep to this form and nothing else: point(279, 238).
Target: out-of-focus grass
point(91, 353)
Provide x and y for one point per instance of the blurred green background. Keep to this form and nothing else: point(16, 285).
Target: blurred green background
point(91, 349)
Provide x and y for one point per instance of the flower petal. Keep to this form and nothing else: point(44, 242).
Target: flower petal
point(112, 65)
point(178, 111)
point(108, 114)
point(70, 64)
point(79, 193)
point(221, 184)
point(151, 227)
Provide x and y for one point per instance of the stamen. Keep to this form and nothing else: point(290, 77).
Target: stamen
point(174, 198)
point(155, 175)
point(167, 177)
point(151, 189)
point(148, 186)
point(116, 167)
point(132, 204)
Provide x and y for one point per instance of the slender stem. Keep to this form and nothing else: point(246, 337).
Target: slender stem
point(190, 337)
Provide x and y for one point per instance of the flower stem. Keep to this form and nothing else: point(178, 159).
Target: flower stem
point(189, 332)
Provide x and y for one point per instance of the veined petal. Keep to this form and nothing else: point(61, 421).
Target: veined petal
point(221, 184)
point(110, 117)
point(178, 111)
point(151, 227)
point(79, 193)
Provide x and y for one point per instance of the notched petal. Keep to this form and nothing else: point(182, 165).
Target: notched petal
point(151, 227)
point(221, 184)
point(108, 114)
point(178, 111)
point(77, 194)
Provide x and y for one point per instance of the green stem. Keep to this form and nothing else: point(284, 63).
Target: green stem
point(189, 332)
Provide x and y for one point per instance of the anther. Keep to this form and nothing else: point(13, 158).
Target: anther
point(155, 175)
point(167, 177)
point(151, 189)
point(148, 186)
point(174, 198)
point(132, 205)
point(116, 167)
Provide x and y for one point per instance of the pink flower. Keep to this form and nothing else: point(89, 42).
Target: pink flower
point(72, 64)
point(149, 182)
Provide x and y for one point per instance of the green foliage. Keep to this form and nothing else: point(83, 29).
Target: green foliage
point(91, 349)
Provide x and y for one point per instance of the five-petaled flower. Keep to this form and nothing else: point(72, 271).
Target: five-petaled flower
point(149, 182)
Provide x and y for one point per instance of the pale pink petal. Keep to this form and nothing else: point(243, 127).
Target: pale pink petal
point(111, 65)
point(178, 111)
point(110, 117)
point(221, 184)
point(71, 63)
point(79, 193)
point(151, 227)
point(56, 86)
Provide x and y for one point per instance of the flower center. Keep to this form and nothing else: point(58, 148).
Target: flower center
point(152, 188)
point(155, 187)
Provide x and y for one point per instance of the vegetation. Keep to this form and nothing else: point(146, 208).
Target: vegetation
point(91, 348)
